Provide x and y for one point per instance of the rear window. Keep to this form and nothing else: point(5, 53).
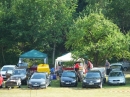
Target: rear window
point(93, 75)
point(115, 74)
point(68, 74)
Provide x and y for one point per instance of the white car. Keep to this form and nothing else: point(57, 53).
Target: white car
point(116, 77)
point(7, 68)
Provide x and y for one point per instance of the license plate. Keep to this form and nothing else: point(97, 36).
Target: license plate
point(67, 83)
point(91, 83)
point(35, 85)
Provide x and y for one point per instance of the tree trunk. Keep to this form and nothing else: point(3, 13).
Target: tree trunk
point(53, 54)
point(2, 51)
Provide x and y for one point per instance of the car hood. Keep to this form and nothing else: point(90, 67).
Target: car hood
point(3, 72)
point(115, 78)
point(67, 78)
point(18, 75)
point(37, 80)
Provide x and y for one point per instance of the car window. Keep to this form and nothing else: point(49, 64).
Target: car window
point(23, 64)
point(115, 74)
point(7, 68)
point(38, 76)
point(19, 72)
point(93, 75)
point(115, 67)
point(68, 74)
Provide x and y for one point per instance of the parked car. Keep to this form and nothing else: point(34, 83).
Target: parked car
point(22, 74)
point(23, 65)
point(39, 80)
point(1, 81)
point(93, 78)
point(126, 65)
point(13, 82)
point(69, 78)
point(116, 77)
point(7, 69)
point(115, 66)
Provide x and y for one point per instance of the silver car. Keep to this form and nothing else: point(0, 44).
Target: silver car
point(116, 77)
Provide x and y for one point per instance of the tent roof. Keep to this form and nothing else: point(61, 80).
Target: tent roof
point(33, 54)
point(66, 57)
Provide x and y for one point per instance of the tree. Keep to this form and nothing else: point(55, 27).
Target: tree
point(96, 37)
point(119, 12)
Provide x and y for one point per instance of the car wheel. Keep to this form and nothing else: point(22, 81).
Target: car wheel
point(1, 86)
point(100, 86)
point(19, 86)
point(76, 84)
point(104, 80)
point(61, 85)
point(83, 86)
point(124, 84)
point(6, 86)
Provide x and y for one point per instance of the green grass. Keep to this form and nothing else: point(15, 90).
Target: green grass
point(56, 91)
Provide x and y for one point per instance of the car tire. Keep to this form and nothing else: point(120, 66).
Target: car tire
point(83, 86)
point(19, 87)
point(76, 84)
point(100, 86)
point(1, 86)
point(6, 86)
point(61, 85)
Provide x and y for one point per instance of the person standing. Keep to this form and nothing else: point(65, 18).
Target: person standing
point(107, 65)
point(89, 65)
point(76, 66)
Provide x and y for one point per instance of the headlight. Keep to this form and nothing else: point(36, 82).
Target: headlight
point(110, 81)
point(62, 81)
point(84, 81)
point(74, 81)
point(122, 80)
point(98, 80)
point(43, 82)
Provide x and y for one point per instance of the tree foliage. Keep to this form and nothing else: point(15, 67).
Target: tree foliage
point(96, 37)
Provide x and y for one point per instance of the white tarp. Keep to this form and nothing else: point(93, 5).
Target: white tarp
point(65, 58)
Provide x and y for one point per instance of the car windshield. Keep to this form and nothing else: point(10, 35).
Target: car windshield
point(7, 68)
point(19, 72)
point(14, 78)
point(115, 74)
point(115, 67)
point(68, 74)
point(38, 76)
point(93, 75)
point(23, 64)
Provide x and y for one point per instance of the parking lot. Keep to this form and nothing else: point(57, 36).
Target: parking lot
point(56, 91)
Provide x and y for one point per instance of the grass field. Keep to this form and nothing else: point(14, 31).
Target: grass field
point(55, 91)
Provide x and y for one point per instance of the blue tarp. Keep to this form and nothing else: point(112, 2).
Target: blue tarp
point(33, 54)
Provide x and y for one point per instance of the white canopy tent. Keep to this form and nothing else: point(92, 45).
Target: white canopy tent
point(66, 58)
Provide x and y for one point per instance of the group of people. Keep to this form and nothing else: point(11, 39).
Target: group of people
point(88, 63)
point(88, 67)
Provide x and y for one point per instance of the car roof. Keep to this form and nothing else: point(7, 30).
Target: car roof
point(20, 69)
point(115, 64)
point(116, 71)
point(39, 73)
point(9, 65)
point(69, 71)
